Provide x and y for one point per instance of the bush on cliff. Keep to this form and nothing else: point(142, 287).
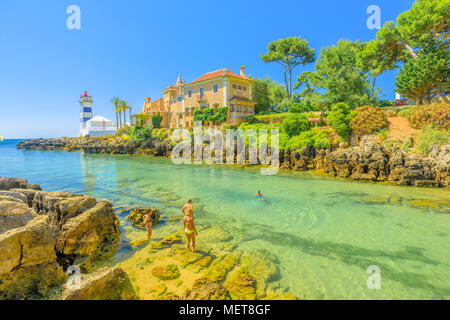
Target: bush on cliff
point(368, 120)
point(437, 114)
point(161, 133)
point(315, 137)
point(140, 133)
point(339, 119)
point(431, 136)
point(124, 131)
point(294, 124)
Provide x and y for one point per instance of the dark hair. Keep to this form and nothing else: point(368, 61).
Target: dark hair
point(190, 200)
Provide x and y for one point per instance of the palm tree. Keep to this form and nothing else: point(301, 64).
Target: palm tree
point(116, 102)
point(124, 107)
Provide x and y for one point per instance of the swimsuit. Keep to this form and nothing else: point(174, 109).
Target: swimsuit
point(259, 197)
point(188, 232)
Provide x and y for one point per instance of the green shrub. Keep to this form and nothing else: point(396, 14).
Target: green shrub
point(271, 118)
point(405, 111)
point(161, 133)
point(339, 119)
point(437, 114)
point(156, 120)
point(208, 114)
point(431, 136)
point(140, 133)
point(315, 137)
point(124, 131)
point(294, 123)
point(368, 120)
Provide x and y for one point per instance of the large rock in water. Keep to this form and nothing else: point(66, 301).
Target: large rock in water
point(60, 229)
point(136, 217)
point(104, 284)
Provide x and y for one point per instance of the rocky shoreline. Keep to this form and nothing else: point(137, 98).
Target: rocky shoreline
point(42, 233)
point(369, 161)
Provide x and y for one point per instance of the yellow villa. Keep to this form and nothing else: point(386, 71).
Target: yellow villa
point(221, 88)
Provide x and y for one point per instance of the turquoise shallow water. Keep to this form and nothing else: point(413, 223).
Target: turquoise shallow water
point(324, 232)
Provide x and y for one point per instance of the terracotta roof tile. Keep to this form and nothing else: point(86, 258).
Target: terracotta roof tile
point(218, 73)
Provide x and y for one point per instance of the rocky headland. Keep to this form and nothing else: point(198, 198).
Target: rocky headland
point(368, 161)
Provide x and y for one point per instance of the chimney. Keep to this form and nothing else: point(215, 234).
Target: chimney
point(242, 70)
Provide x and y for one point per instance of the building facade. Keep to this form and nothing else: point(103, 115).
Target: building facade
point(221, 88)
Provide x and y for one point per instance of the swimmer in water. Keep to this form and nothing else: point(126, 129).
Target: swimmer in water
point(259, 195)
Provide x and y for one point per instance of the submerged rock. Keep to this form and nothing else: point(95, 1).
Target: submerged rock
point(241, 285)
point(167, 240)
point(136, 217)
point(220, 267)
point(286, 296)
point(168, 272)
point(204, 290)
point(104, 284)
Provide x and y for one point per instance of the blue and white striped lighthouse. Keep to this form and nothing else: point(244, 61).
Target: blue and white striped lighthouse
point(85, 112)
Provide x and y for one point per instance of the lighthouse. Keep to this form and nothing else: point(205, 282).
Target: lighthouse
point(85, 112)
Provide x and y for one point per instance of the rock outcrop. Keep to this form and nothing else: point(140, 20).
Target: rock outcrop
point(372, 162)
point(28, 262)
point(104, 284)
point(42, 233)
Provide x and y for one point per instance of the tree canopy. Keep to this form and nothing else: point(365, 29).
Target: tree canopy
point(289, 52)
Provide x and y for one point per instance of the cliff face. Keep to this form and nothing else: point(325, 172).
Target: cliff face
point(42, 233)
point(367, 162)
point(372, 162)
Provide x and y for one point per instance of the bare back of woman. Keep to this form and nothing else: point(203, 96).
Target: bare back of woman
point(191, 232)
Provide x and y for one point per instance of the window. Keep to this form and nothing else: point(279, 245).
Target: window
point(232, 108)
point(202, 92)
point(245, 109)
point(239, 87)
point(190, 94)
point(234, 86)
point(244, 88)
point(216, 88)
point(87, 109)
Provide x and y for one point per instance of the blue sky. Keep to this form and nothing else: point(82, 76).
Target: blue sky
point(134, 49)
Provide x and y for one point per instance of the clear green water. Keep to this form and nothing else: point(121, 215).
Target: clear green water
point(324, 232)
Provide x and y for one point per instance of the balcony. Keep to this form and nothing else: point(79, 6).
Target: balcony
point(201, 98)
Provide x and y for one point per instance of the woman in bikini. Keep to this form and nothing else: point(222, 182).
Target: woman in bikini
point(189, 229)
point(148, 225)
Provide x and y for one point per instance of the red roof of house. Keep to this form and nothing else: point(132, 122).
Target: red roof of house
point(218, 73)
